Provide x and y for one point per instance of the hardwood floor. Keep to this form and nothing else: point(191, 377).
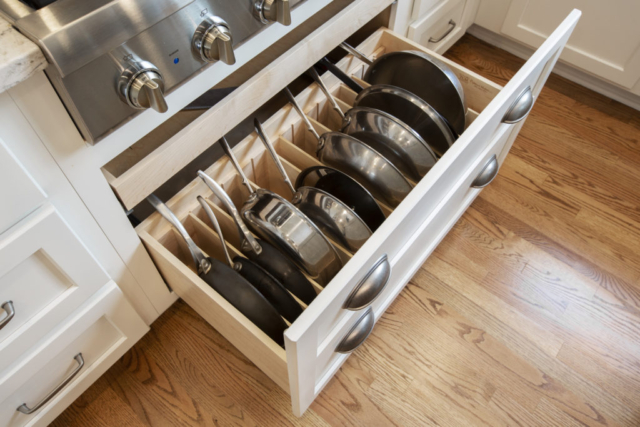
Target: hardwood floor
point(528, 313)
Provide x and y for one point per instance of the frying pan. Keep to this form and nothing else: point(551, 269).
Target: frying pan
point(426, 76)
point(262, 253)
point(386, 134)
point(228, 283)
point(264, 282)
point(345, 188)
point(280, 223)
point(403, 105)
point(330, 214)
point(361, 162)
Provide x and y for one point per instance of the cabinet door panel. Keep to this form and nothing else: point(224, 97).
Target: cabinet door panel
point(605, 43)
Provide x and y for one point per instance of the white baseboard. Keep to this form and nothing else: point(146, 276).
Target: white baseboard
point(562, 68)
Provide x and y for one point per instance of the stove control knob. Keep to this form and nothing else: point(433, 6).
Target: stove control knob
point(213, 41)
point(273, 11)
point(141, 86)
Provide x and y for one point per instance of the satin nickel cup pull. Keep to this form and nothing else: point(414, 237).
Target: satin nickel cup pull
point(26, 410)
point(487, 174)
point(370, 286)
point(520, 108)
point(358, 333)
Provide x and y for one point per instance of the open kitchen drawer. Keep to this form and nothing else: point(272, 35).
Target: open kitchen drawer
point(319, 341)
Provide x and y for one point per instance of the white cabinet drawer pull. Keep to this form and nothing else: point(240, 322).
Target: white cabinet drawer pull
point(358, 333)
point(26, 410)
point(452, 25)
point(487, 174)
point(8, 308)
point(520, 107)
point(370, 286)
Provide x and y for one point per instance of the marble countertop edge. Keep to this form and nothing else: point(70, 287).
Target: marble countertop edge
point(20, 58)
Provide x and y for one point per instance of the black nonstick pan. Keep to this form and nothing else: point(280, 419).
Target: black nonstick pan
point(228, 283)
point(263, 253)
point(386, 134)
point(264, 282)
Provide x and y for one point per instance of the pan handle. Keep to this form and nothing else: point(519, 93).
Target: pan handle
point(307, 123)
point(201, 261)
point(355, 52)
point(233, 211)
point(216, 225)
point(341, 75)
point(269, 146)
point(229, 153)
point(313, 73)
point(358, 333)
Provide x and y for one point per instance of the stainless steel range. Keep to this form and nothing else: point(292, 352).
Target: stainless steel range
point(111, 59)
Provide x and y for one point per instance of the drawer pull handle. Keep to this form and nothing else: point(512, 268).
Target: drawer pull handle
point(26, 410)
point(358, 333)
point(452, 25)
point(487, 174)
point(8, 308)
point(370, 286)
point(520, 108)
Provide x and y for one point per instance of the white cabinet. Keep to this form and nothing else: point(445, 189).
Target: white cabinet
point(18, 190)
point(605, 44)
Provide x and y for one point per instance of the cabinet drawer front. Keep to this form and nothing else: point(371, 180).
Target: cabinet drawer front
point(410, 232)
point(101, 331)
point(46, 273)
point(23, 192)
point(439, 29)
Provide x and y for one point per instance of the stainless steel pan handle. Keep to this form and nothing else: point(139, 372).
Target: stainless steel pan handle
point(307, 123)
point(269, 146)
point(452, 25)
point(355, 52)
point(201, 261)
point(236, 164)
point(26, 410)
point(216, 225)
point(8, 308)
point(232, 210)
point(314, 74)
point(358, 333)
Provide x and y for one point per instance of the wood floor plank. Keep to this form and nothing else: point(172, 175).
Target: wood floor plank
point(527, 314)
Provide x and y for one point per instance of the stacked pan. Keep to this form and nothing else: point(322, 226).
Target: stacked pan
point(408, 111)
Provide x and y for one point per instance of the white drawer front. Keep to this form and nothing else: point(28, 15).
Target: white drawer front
point(440, 28)
point(21, 192)
point(101, 332)
point(408, 235)
point(45, 274)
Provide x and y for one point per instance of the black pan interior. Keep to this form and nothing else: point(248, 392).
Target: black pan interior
point(246, 298)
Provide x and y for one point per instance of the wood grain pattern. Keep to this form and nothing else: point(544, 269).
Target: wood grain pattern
point(527, 314)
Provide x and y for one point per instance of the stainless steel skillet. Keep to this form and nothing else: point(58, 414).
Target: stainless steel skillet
point(277, 221)
point(403, 105)
point(396, 141)
point(263, 253)
point(228, 283)
point(426, 76)
point(264, 282)
point(330, 214)
point(363, 163)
